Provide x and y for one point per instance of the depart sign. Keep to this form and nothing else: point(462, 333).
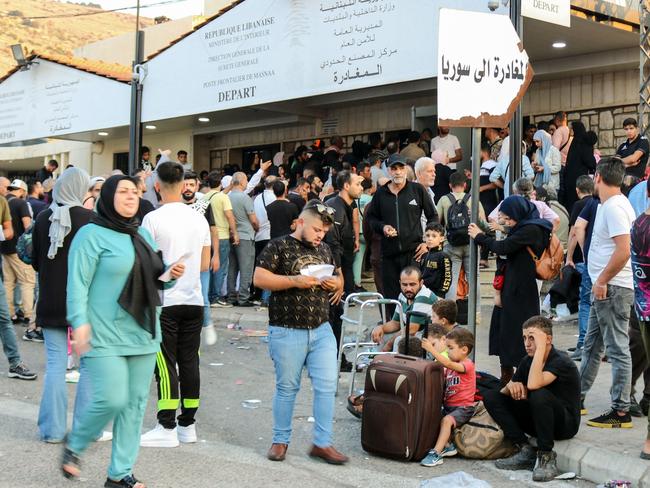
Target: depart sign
point(553, 11)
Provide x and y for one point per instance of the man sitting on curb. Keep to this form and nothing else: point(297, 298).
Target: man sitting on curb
point(541, 400)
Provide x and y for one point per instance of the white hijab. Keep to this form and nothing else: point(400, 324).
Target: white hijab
point(69, 191)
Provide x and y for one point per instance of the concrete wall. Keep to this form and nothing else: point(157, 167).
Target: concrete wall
point(32, 158)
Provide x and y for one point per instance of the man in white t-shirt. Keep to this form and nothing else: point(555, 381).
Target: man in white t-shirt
point(448, 143)
point(263, 234)
point(181, 234)
point(610, 271)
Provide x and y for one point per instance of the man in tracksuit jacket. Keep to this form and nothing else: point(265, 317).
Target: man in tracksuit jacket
point(395, 212)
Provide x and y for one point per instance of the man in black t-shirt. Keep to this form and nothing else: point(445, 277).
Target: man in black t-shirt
point(299, 333)
point(634, 151)
point(575, 258)
point(281, 213)
point(541, 400)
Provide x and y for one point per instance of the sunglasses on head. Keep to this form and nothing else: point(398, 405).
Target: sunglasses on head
point(323, 210)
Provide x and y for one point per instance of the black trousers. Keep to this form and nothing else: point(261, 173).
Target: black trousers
point(347, 268)
point(392, 266)
point(542, 415)
point(256, 293)
point(181, 337)
point(640, 364)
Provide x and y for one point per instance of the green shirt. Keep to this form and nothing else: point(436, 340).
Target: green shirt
point(421, 303)
point(99, 265)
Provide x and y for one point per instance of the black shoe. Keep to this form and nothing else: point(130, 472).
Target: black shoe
point(524, 459)
point(126, 482)
point(576, 355)
point(247, 303)
point(70, 464)
point(612, 420)
point(546, 466)
point(635, 408)
point(16, 320)
point(21, 372)
point(33, 336)
point(346, 366)
point(20, 314)
point(644, 404)
point(583, 410)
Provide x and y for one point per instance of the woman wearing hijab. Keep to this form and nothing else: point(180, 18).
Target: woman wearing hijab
point(52, 236)
point(519, 294)
point(94, 187)
point(113, 306)
point(548, 162)
point(580, 160)
point(443, 172)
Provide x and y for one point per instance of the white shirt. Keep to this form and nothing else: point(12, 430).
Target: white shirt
point(449, 144)
point(178, 230)
point(613, 218)
point(259, 205)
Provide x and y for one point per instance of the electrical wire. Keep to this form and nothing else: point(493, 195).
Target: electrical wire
point(99, 12)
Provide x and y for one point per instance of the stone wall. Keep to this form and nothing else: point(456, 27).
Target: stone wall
point(606, 122)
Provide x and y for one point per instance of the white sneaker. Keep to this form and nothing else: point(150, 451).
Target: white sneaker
point(160, 437)
point(105, 437)
point(210, 335)
point(72, 377)
point(187, 434)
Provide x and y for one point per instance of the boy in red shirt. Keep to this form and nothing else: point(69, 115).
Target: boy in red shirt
point(460, 386)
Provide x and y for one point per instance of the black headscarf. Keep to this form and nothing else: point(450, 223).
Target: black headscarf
point(524, 212)
point(579, 132)
point(140, 295)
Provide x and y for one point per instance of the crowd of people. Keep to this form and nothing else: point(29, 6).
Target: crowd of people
point(126, 269)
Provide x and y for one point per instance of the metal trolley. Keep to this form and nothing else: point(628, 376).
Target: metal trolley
point(358, 329)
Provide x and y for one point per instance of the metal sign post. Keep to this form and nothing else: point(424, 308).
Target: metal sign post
point(479, 85)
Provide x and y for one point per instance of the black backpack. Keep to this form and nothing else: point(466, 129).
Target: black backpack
point(458, 221)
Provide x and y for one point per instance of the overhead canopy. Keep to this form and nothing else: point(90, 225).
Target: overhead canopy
point(59, 96)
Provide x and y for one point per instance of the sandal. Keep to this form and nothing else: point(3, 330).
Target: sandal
point(126, 482)
point(70, 465)
point(355, 405)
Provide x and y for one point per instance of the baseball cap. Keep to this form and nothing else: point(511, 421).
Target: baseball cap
point(396, 159)
point(18, 184)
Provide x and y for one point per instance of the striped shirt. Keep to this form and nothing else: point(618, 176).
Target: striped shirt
point(422, 303)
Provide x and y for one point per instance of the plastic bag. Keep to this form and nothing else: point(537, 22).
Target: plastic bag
point(459, 479)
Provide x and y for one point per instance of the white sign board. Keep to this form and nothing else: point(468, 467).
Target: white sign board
point(264, 51)
point(482, 71)
point(553, 11)
point(50, 100)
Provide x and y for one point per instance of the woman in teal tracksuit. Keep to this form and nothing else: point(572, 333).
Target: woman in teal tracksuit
point(113, 306)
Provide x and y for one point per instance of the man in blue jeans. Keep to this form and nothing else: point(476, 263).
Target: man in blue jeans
point(580, 233)
point(299, 332)
point(612, 294)
point(17, 368)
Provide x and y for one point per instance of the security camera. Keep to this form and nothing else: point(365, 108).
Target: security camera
point(493, 5)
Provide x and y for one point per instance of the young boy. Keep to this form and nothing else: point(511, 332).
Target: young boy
point(436, 335)
point(460, 386)
point(436, 264)
point(445, 313)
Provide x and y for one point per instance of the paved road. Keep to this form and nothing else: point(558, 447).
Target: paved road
point(233, 439)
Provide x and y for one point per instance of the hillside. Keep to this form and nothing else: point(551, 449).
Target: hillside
point(55, 35)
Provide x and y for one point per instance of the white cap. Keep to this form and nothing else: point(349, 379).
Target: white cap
point(18, 184)
point(225, 181)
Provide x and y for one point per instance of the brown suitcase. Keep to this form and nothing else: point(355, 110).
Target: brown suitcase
point(402, 408)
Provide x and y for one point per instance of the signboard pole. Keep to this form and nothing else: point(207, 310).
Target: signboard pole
point(135, 125)
point(516, 132)
point(473, 277)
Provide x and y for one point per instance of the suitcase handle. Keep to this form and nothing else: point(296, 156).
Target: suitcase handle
point(427, 321)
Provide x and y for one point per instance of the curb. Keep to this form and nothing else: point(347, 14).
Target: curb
point(597, 465)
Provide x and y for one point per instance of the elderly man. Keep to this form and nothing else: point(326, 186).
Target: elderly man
point(425, 174)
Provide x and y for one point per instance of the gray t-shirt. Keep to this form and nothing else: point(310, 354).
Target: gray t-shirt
point(242, 207)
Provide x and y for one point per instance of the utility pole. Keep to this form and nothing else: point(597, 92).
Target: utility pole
point(135, 125)
point(516, 122)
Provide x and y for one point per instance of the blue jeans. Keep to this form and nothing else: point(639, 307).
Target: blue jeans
point(205, 289)
point(218, 278)
point(7, 331)
point(608, 332)
point(291, 350)
point(585, 303)
point(52, 415)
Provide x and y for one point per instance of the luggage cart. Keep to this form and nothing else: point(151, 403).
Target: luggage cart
point(366, 301)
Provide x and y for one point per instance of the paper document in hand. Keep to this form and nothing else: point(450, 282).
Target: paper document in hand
point(167, 275)
point(319, 271)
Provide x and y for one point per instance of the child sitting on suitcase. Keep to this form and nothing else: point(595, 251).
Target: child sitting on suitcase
point(460, 386)
point(445, 313)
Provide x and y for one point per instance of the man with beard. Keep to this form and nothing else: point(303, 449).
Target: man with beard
point(448, 143)
point(315, 187)
point(182, 236)
point(299, 333)
point(395, 212)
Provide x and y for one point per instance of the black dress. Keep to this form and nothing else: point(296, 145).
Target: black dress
point(580, 160)
point(519, 296)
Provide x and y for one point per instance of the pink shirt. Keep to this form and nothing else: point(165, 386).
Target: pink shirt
point(560, 138)
point(460, 387)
